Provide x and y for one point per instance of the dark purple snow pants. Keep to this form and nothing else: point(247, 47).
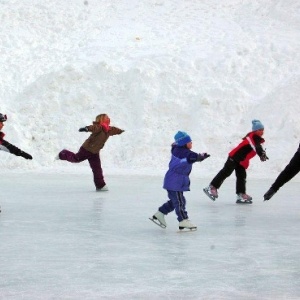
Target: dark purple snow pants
point(94, 161)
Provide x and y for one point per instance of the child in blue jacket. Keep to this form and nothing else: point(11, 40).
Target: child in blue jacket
point(177, 181)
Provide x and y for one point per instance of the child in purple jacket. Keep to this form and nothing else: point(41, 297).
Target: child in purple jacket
point(177, 181)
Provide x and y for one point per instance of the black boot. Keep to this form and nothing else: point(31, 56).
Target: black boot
point(269, 194)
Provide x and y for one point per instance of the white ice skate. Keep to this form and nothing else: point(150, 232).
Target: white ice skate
point(211, 192)
point(103, 189)
point(243, 199)
point(159, 219)
point(187, 225)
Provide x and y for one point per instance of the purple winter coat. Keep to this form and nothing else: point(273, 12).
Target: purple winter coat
point(180, 166)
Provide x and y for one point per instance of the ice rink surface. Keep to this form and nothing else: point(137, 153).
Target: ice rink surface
point(59, 239)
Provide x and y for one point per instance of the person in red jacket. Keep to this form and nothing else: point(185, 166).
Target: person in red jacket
point(8, 147)
point(238, 161)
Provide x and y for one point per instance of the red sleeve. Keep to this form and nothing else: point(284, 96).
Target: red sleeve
point(2, 134)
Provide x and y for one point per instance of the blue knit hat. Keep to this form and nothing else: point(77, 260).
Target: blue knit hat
point(182, 138)
point(257, 125)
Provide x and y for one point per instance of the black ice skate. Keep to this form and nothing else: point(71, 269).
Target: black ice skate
point(269, 194)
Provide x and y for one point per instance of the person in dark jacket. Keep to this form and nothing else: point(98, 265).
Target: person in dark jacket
point(238, 160)
point(177, 181)
point(290, 171)
point(90, 150)
point(8, 147)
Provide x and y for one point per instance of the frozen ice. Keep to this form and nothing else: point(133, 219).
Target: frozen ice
point(60, 239)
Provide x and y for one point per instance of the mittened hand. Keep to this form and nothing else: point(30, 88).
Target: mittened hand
point(264, 156)
point(25, 155)
point(84, 129)
point(203, 156)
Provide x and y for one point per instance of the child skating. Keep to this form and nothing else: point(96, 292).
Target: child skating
point(90, 150)
point(238, 161)
point(177, 181)
point(8, 147)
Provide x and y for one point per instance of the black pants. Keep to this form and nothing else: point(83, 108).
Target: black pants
point(240, 172)
point(288, 173)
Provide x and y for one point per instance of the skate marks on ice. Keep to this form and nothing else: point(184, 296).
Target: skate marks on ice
point(89, 247)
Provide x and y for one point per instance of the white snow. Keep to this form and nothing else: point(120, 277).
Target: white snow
point(205, 67)
point(155, 67)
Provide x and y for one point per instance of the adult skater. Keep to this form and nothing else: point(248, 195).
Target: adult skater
point(238, 161)
point(291, 170)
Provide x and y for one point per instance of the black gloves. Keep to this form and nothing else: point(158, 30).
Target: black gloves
point(25, 155)
point(15, 150)
point(203, 156)
point(84, 129)
point(19, 152)
point(264, 156)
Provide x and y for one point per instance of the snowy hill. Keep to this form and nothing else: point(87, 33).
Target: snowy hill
point(155, 67)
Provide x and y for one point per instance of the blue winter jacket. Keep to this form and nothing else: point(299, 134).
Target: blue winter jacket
point(180, 166)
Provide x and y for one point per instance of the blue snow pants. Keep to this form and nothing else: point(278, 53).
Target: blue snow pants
point(177, 201)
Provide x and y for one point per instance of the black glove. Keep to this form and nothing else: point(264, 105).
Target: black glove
point(84, 129)
point(203, 156)
point(25, 155)
point(264, 156)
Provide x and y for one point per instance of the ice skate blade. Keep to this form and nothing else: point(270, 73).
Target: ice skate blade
point(184, 229)
point(243, 202)
point(103, 189)
point(155, 221)
point(209, 195)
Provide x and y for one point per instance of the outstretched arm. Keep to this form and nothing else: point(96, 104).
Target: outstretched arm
point(259, 149)
point(6, 146)
point(194, 157)
point(115, 130)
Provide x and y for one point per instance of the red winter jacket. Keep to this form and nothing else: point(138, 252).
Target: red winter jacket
point(247, 149)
